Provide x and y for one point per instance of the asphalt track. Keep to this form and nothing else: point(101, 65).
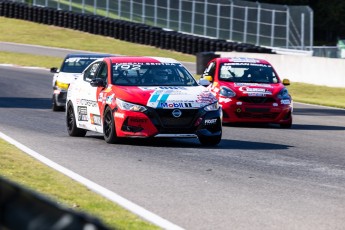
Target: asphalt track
point(259, 177)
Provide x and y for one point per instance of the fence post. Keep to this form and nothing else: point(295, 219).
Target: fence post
point(70, 5)
point(83, 7)
point(258, 23)
point(272, 27)
point(107, 10)
point(143, 12)
point(231, 20)
point(302, 31)
point(131, 10)
point(155, 13)
point(245, 24)
point(218, 19)
point(193, 17)
point(94, 7)
point(287, 26)
point(205, 18)
point(179, 15)
point(168, 14)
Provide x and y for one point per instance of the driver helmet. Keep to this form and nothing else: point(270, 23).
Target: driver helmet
point(160, 75)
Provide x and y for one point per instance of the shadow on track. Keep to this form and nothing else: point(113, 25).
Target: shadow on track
point(179, 143)
point(294, 126)
point(28, 103)
point(319, 112)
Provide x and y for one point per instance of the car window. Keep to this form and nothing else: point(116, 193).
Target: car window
point(151, 74)
point(91, 71)
point(76, 64)
point(210, 70)
point(248, 72)
point(102, 72)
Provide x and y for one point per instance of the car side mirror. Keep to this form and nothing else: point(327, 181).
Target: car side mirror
point(286, 82)
point(97, 82)
point(54, 70)
point(204, 82)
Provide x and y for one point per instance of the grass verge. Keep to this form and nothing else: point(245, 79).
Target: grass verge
point(27, 171)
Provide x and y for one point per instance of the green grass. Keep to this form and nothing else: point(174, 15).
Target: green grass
point(319, 95)
point(25, 170)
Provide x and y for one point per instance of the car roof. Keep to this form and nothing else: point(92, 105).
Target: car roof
point(141, 59)
point(86, 55)
point(242, 60)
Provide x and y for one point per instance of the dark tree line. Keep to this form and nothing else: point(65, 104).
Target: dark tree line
point(329, 18)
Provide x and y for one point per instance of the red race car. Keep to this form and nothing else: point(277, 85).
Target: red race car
point(142, 97)
point(249, 91)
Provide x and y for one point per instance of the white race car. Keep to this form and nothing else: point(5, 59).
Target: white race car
point(72, 66)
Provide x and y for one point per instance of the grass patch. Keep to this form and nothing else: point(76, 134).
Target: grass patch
point(27, 171)
point(21, 31)
point(319, 95)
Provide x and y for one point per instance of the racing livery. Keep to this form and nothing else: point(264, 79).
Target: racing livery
point(142, 97)
point(249, 90)
point(71, 67)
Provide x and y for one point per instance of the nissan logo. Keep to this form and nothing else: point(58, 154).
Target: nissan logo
point(176, 113)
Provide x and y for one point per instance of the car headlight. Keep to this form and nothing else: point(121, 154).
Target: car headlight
point(212, 107)
point(130, 106)
point(61, 85)
point(226, 92)
point(284, 94)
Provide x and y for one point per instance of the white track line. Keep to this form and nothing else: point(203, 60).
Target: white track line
point(145, 214)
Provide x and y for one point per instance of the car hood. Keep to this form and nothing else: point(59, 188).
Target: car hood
point(67, 77)
point(255, 89)
point(166, 97)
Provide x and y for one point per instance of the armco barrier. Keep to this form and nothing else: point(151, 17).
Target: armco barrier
point(123, 30)
point(21, 208)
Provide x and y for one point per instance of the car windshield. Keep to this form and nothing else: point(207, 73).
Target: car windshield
point(248, 72)
point(76, 64)
point(151, 74)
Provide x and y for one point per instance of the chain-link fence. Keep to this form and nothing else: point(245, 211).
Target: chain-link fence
point(269, 25)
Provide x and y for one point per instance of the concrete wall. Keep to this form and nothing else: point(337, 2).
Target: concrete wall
point(297, 68)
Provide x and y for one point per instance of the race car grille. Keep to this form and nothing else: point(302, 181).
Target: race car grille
point(257, 100)
point(168, 120)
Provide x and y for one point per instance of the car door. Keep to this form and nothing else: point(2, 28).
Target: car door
point(87, 106)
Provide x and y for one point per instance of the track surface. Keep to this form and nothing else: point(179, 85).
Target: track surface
point(259, 177)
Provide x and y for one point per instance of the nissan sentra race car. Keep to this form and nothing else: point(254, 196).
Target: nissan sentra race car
point(71, 67)
point(142, 97)
point(249, 90)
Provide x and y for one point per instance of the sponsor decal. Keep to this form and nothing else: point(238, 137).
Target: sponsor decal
point(100, 97)
point(243, 59)
point(275, 104)
point(260, 92)
point(175, 105)
point(109, 99)
point(82, 113)
point(95, 119)
point(224, 100)
point(119, 115)
point(85, 102)
point(210, 121)
point(285, 102)
point(254, 84)
point(136, 121)
point(205, 98)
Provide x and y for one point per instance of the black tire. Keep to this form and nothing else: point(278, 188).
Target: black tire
point(109, 130)
point(210, 140)
point(55, 107)
point(72, 128)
